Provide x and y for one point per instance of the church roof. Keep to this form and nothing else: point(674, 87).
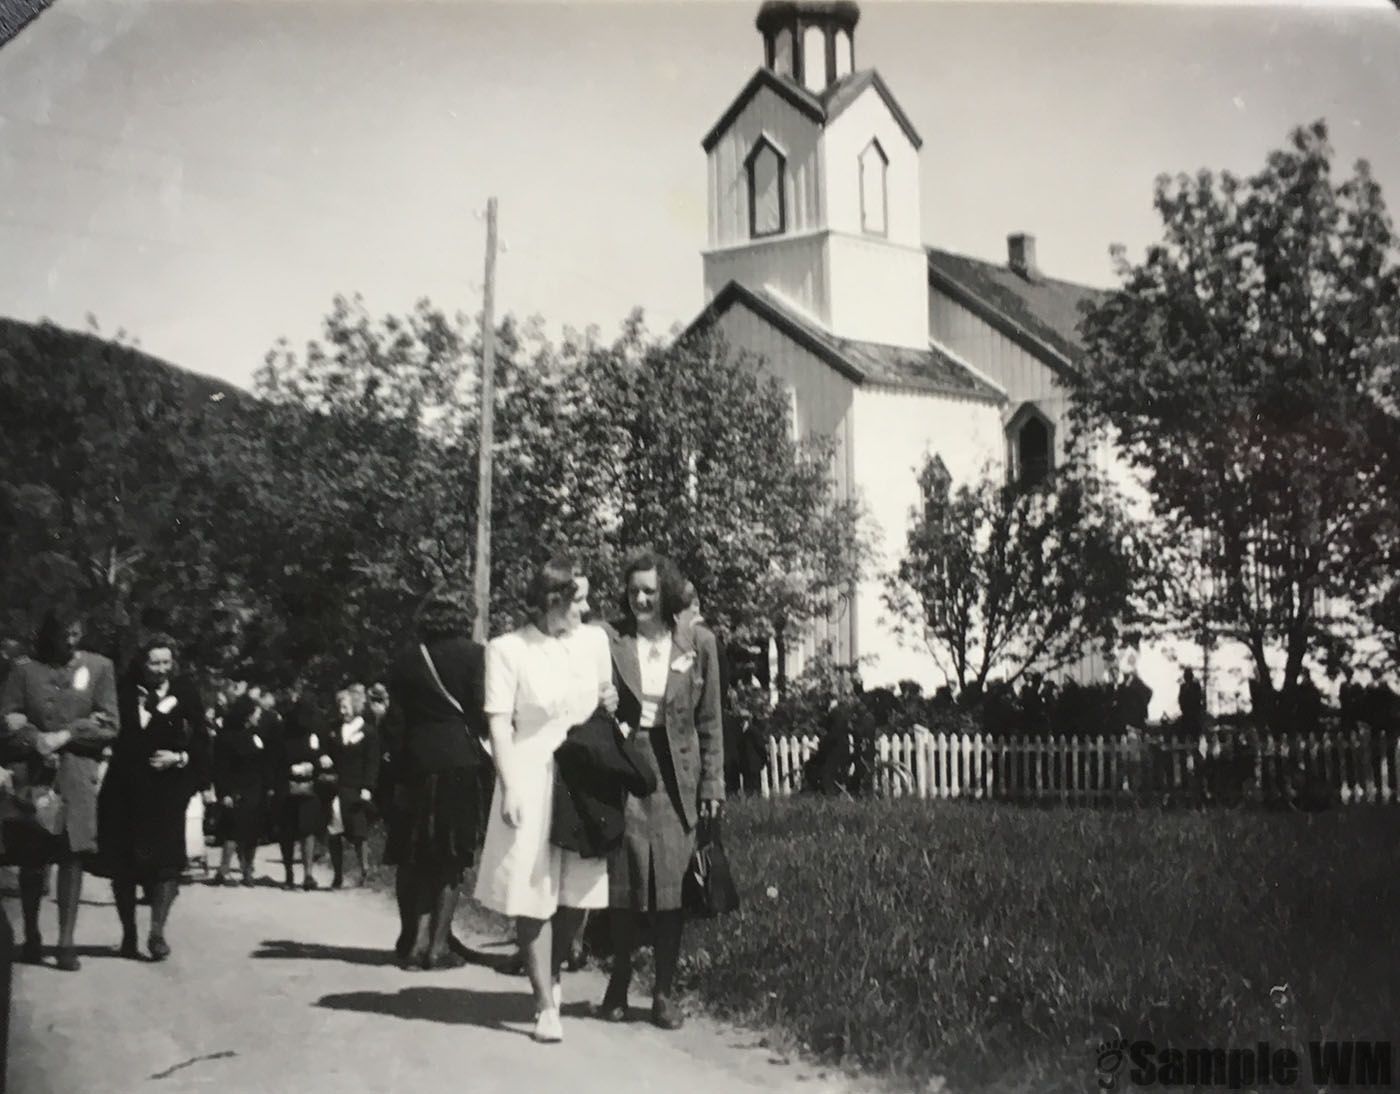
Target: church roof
point(16, 14)
point(821, 108)
point(1041, 314)
point(932, 371)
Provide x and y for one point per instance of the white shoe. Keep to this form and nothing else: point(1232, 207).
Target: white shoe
point(548, 1029)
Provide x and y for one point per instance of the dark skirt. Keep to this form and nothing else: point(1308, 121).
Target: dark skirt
point(645, 873)
point(140, 828)
point(26, 844)
point(241, 822)
point(438, 820)
point(299, 816)
point(355, 814)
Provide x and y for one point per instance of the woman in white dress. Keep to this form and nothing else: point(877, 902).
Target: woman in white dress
point(541, 680)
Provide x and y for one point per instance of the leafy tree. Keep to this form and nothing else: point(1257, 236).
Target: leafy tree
point(999, 580)
point(1245, 369)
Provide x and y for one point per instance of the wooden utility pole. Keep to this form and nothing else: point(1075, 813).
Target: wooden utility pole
point(482, 629)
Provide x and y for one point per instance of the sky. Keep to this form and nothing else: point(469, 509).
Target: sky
point(206, 175)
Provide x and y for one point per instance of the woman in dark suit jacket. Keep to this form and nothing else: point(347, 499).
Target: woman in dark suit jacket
point(667, 678)
point(160, 759)
point(240, 783)
point(443, 778)
point(354, 750)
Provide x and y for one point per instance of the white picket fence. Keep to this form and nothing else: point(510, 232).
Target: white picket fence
point(1347, 768)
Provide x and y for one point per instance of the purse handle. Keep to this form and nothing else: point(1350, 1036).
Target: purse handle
point(432, 669)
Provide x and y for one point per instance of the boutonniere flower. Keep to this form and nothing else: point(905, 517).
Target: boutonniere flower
point(81, 678)
point(683, 662)
point(166, 705)
point(314, 742)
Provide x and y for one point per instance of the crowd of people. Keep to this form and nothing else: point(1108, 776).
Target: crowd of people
point(571, 762)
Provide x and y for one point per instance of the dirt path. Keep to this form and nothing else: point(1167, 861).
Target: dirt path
point(273, 991)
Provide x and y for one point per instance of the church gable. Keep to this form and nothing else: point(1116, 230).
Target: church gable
point(871, 166)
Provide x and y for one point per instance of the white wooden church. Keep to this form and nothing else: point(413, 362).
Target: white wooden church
point(816, 263)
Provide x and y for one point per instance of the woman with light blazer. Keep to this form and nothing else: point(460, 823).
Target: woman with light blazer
point(667, 678)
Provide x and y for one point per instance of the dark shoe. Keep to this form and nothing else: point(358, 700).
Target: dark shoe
point(447, 960)
point(248, 881)
point(414, 962)
point(290, 885)
point(129, 949)
point(665, 1014)
point(32, 952)
point(456, 945)
point(160, 949)
point(402, 945)
point(309, 883)
point(337, 883)
point(218, 879)
point(613, 1008)
point(68, 959)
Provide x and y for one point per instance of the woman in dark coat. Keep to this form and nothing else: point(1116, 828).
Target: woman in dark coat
point(442, 772)
point(354, 750)
point(305, 768)
point(667, 678)
point(160, 759)
point(240, 783)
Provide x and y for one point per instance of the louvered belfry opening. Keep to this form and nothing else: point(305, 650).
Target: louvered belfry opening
point(811, 43)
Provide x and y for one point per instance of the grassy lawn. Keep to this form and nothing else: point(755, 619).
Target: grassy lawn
point(998, 946)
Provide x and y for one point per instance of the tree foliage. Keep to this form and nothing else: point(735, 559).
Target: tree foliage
point(999, 580)
point(1246, 368)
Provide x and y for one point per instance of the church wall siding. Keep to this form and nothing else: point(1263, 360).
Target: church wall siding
point(893, 432)
point(1024, 376)
point(797, 136)
point(842, 144)
point(795, 267)
point(875, 291)
point(824, 401)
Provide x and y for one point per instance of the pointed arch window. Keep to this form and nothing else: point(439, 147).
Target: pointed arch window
point(766, 168)
point(1030, 440)
point(874, 190)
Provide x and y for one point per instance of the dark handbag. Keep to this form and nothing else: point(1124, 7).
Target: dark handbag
point(708, 888)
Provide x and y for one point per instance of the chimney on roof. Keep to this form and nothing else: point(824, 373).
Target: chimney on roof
point(1020, 254)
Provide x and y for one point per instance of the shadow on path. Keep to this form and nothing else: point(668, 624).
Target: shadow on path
point(313, 951)
point(509, 1012)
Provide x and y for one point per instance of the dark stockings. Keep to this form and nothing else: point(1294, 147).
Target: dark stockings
point(427, 902)
point(666, 931)
point(161, 894)
point(69, 885)
point(289, 848)
point(338, 857)
point(31, 896)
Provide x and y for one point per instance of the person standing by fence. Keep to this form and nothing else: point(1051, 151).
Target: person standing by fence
point(59, 714)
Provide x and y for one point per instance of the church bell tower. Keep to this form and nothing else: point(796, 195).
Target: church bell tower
point(814, 183)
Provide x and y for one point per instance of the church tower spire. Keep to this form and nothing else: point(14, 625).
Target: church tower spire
point(811, 43)
point(814, 183)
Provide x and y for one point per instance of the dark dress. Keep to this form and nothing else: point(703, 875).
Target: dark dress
point(240, 774)
point(442, 773)
point(141, 811)
point(301, 813)
point(357, 769)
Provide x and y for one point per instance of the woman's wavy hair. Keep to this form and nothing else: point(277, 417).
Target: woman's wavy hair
point(157, 641)
point(552, 585)
point(670, 584)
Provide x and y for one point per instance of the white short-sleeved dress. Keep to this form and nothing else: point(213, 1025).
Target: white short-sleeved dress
point(547, 685)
